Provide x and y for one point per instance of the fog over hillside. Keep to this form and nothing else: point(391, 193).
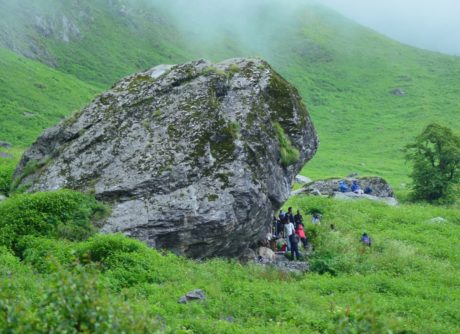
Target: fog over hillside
point(429, 24)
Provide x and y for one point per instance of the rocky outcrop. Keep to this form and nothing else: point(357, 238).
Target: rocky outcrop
point(352, 196)
point(381, 190)
point(379, 187)
point(193, 158)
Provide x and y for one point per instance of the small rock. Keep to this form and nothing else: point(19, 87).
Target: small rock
point(2, 198)
point(316, 192)
point(353, 175)
point(5, 144)
point(398, 92)
point(437, 220)
point(230, 319)
point(196, 294)
point(303, 179)
point(247, 256)
point(6, 155)
point(265, 254)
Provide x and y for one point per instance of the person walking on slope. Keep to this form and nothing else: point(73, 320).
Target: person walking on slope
point(366, 241)
point(289, 230)
point(294, 241)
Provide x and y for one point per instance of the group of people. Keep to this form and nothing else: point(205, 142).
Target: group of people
point(289, 230)
point(343, 188)
point(289, 227)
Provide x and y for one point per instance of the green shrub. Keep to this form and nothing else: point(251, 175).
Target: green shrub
point(103, 246)
point(71, 302)
point(66, 214)
point(7, 168)
point(126, 262)
point(77, 303)
point(44, 254)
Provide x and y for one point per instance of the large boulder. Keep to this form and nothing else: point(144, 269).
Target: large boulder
point(193, 158)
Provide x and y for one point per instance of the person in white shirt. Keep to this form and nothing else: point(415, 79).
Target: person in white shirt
point(289, 229)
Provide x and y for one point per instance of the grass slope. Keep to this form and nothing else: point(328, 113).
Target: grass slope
point(34, 97)
point(347, 84)
point(345, 72)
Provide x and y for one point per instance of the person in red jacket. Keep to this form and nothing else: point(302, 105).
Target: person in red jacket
point(301, 233)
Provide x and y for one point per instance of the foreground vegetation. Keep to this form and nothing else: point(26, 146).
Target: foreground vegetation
point(407, 282)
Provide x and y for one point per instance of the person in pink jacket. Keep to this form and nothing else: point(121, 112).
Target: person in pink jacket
point(301, 233)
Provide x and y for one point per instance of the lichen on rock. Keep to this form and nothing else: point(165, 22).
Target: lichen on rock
point(190, 157)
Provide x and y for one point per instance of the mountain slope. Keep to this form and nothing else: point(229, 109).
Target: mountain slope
point(345, 72)
point(34, 97)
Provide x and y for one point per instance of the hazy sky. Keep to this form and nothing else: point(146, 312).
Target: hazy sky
point(430, 24)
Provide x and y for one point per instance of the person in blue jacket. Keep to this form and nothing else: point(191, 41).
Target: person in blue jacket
point(343, 188)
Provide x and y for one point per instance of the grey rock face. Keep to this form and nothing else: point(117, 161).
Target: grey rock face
point(193, 158)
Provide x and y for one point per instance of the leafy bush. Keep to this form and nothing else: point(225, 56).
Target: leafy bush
point(436, 158)
point(125, 261)
point(101, 247)
point(71, 302)
point(66, 214)
point(43, 254)
point(7, 168)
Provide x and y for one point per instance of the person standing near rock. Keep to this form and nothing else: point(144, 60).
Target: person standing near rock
point(298, 219)
point(294, 241)
point(283, 221)
point(290, 216)
point(301, 233)
point(289, 230)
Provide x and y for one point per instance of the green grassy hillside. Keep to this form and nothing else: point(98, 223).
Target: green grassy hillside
point(345, 72)
point(34, 97)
